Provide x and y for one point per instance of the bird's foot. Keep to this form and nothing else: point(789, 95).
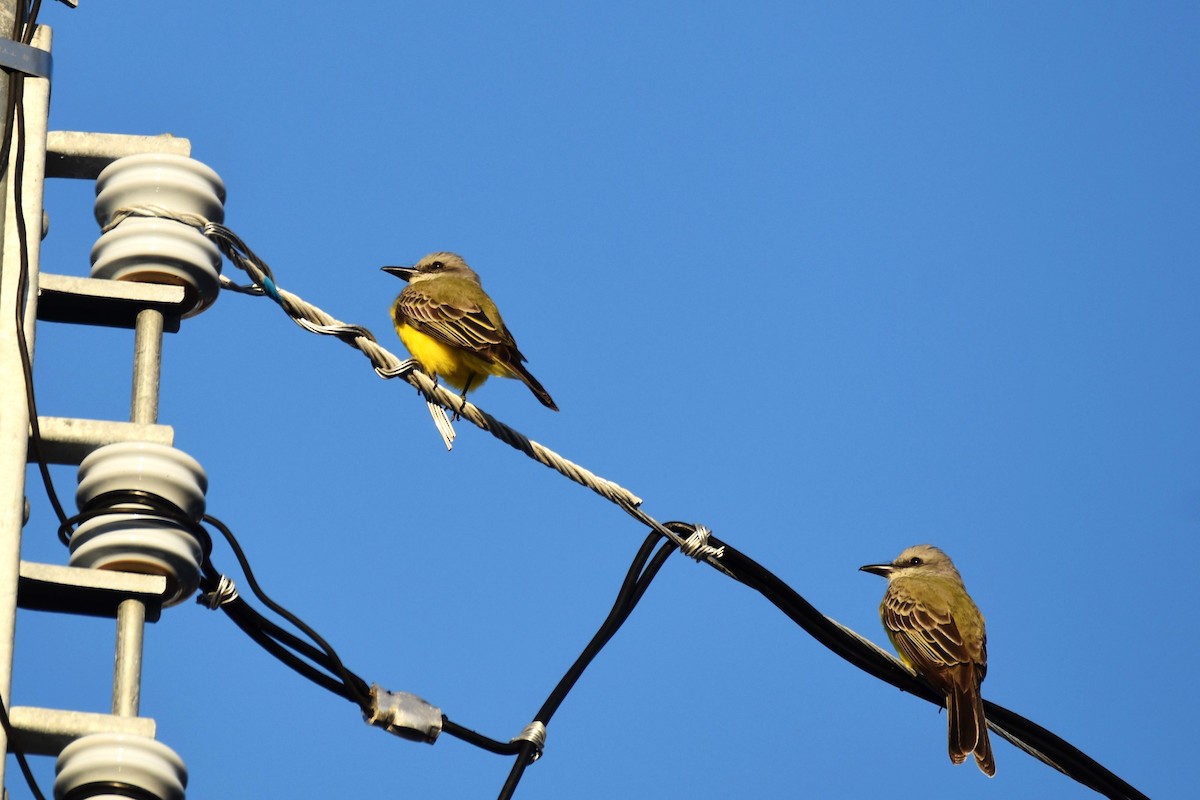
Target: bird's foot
point(462, 407)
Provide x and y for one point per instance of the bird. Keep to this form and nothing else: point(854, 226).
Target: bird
point(939, 633)
point(452, 328)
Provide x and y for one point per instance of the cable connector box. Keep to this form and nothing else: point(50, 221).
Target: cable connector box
point(404, 715)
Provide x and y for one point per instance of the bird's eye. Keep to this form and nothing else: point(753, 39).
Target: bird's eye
point(915, 561)
point(436, 265)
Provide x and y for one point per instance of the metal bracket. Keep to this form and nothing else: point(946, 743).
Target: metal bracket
point(94, 301)
point(46, 731)
point(66, 440)
point(23, 58)
point(78, 154)
point(89, 592)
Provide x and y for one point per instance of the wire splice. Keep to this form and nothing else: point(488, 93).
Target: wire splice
point(535, 734)
point(696, 546)
point(403, 714)
point(226, 592)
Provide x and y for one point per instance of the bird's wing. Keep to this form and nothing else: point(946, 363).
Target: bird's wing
point(927, 637)
point(465, 325)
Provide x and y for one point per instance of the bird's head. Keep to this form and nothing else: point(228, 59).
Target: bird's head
point(920, 559)
point(433, 266)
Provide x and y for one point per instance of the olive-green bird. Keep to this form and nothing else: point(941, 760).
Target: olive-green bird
point(938, 632)
point(453, 329)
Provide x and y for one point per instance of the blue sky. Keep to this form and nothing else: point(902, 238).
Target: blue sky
point(829, 280)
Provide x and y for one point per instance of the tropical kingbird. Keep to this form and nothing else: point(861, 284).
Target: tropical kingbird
point(453, 329)
point(938, 632)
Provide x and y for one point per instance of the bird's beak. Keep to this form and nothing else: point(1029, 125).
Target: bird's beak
point(403, 273)
point(877, 569)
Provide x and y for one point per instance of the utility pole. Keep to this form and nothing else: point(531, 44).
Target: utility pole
point(127, 562)
point(14, 417)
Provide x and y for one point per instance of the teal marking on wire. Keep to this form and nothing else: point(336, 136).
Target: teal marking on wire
point(268, 287)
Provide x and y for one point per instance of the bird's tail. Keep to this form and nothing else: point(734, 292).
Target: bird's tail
point(968, 724)
point(538, 390)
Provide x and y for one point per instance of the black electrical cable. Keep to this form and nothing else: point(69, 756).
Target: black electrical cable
point(360, 692)
point(251, 624)
point(641, 572)
point(30, 21)
point(136, 501)
point(632, 589)
point(286, 646)
point(525, 757)
point(452, 728)
point(1057, 752)
point(262, 630)
point(1067, 758)
point(259, 627)
point(10, 107)
point(244, 613)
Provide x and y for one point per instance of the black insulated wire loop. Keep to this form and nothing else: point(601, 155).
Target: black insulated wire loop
point(136, 501)
point(109, 789)
point(315, 658)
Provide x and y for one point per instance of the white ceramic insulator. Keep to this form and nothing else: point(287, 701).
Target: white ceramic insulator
point(157, 250)
point(101, 759)
point(142, 543)
point(151, 467)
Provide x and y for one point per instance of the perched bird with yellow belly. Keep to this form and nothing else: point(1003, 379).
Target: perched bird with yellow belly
point(938, 631)
point(453, 329)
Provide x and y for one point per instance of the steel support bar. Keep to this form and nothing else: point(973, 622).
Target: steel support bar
point(92, 592)
point(131, 614)
point(127, 666)
point(68, 441)
point(46, 731)
point(92, 301)
point(75, 154)
point(147, 367)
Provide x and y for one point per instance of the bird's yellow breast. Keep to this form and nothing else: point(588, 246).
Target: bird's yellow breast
point(455, 365)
